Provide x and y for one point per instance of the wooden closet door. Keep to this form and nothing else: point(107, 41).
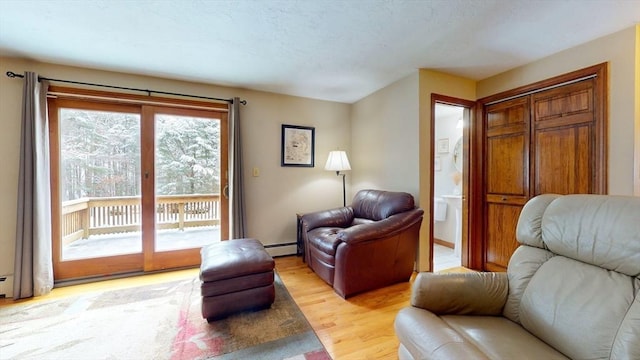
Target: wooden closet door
point(506, 177)
point(547, 137)
point(564, 140)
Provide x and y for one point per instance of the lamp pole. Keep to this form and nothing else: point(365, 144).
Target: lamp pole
point(338, 161)
point(344, 189)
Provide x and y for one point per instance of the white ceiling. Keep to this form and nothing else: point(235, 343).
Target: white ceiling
point(333, 50)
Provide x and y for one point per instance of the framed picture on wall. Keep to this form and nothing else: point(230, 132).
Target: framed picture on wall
point(298, 146)
point(443, 146)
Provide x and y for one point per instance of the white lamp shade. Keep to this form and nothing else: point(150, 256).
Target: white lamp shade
point(337, 161)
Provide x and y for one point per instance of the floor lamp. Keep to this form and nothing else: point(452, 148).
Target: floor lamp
point(337, 162)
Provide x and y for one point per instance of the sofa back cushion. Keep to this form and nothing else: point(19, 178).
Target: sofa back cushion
point(575, 307)
point(595, 229)
point(574, 282)
point(377, 204)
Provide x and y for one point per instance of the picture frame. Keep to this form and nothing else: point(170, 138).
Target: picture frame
point(443, 146)
point(298, 146)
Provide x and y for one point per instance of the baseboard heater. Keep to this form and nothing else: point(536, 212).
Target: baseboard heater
point(3, 292)
point(280, 245)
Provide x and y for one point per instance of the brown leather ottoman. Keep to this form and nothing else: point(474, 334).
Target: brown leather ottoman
point(236, 275)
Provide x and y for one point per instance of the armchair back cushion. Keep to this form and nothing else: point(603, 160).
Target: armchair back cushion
point(377, 205)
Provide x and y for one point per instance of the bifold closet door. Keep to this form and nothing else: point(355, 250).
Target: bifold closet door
point(506, 177)
point(550, 141)
point(564, 135)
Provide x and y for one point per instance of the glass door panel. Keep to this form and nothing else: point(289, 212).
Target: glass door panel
point(99, 183)
point(187, 181)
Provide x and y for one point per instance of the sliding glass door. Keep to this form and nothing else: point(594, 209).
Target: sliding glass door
point(134, 187)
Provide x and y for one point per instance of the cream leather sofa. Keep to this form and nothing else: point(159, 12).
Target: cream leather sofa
point(571, 290)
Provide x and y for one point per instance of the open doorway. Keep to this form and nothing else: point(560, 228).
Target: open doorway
point(450, 134)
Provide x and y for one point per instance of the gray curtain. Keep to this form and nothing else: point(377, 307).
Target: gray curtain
point(236, 177)
point(33, 269)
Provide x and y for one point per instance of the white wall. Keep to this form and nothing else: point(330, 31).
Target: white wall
point(446, 128)
point(273, 198)
point(619, 50)
point(384, 139)
point(443, 184)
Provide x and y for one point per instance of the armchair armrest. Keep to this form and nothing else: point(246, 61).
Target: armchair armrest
point(480, 293)
point(339, 217)
point(382, 228)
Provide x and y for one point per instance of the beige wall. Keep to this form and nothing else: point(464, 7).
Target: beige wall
point(390, 139)
point(273, 198)
point(384, 139)
point(619, 50)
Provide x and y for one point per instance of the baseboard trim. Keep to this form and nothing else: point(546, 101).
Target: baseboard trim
point(443, 243)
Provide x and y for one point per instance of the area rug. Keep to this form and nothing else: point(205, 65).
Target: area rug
point(161, 321)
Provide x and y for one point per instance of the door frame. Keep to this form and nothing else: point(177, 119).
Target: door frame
point(470, 108)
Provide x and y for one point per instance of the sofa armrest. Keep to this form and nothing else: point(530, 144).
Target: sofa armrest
point(382, 228)
point(478, 293)
point(339, 217)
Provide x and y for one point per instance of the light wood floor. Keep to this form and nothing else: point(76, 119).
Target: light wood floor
point(360, 327)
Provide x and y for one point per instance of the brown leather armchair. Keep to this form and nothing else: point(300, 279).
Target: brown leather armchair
point(368, 245)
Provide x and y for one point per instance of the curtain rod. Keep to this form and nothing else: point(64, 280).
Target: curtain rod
point(11, 74)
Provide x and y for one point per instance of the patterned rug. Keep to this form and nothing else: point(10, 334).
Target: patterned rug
point(161, 321)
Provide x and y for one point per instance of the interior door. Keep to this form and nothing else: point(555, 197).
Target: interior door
point(459, 160)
